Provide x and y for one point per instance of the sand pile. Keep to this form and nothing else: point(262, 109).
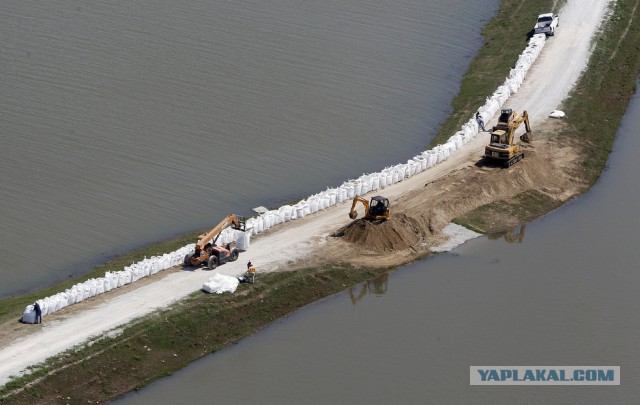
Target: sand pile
point(397, 233)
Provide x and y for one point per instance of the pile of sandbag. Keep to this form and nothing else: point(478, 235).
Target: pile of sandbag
point(220, 283)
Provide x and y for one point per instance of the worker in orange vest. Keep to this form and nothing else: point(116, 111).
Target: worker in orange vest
point(251, 273)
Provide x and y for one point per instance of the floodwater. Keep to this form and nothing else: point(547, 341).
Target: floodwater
point(132, 121)
point(561, 291)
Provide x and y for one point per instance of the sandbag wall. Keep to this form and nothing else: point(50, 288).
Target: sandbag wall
point(417, 164)
point(317, 202)
point(110, 281)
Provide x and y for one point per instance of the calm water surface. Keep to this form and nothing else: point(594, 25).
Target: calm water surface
point(567, 294)
point(128, 122)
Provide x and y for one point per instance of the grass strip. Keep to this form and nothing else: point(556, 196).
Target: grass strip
point(168, 340)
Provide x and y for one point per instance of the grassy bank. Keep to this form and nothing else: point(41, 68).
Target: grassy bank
point(202, 324)
point(171, 339)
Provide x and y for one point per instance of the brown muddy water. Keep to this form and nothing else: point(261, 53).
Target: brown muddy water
point(562, 291)
point(129, 122)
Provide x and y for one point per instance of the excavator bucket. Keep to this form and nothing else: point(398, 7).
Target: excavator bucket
point(353, 214)
point(526, 137)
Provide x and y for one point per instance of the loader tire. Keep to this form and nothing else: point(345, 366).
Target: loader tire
point(212, 263)
point(234, 255)
point(187, 260)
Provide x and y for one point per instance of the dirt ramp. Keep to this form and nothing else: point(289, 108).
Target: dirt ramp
point(397, 233)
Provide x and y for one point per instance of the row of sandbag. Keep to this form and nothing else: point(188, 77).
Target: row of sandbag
point(423, 161)
point(110, 281)
point(317, 202)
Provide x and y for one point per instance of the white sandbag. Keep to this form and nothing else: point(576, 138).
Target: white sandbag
point(99, 286)
point(88, 292)
point(366, 182)
point(29, 314)
point(390, 177)
point(382, 180)
point(357, 188)
point(54, 304)
point(243, 241)
point(375, 182)
point(128, 276)
point(411, 168)
point(299, 210)
point(286, 212)
point(351, 191)
point(146, 269)
point(115, 281)
point(71, 296)
point(220, 283)
point(106, 284)
point(365, 188)
point(266, 221)
point(557, 114)
point(44, 306)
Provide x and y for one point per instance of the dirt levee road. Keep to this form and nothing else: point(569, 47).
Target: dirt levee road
point(422, 205)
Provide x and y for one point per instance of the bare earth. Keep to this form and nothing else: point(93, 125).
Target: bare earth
point(422, 206)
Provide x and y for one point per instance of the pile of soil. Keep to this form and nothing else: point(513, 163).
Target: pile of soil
point(397, 233)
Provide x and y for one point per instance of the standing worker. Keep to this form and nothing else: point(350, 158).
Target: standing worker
point(251, 272)
point(38, 310)
point(480, 122)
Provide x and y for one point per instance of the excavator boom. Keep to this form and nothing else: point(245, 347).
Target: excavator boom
point(230, 220)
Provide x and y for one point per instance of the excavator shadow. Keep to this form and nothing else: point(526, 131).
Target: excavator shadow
point(488, 163)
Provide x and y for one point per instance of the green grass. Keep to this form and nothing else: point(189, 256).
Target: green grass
point(169, 340)
point(523, 208)
point(600, 98)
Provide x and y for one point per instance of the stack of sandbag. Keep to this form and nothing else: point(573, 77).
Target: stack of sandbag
point(220, 283)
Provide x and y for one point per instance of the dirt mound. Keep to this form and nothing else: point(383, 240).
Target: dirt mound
point(397, 233)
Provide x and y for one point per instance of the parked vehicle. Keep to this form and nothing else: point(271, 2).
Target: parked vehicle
point(547, 24)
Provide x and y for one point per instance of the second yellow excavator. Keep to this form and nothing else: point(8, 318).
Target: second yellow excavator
point(206, 249)
point(377, 210)
point(502, 146)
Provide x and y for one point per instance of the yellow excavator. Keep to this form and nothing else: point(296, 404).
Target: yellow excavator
point(377, 210)
point(502, 147)
point(206, 249)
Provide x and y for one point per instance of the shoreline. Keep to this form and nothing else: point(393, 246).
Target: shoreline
point(559, 36)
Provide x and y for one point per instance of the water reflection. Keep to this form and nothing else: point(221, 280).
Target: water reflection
point(515, 235)
point(377, 286)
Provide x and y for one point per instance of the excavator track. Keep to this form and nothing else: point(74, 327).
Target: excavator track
point(513, 160)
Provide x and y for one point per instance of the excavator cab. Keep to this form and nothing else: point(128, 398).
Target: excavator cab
point(378, 206)
point(505, 116)
point(376, 210)
point(502, 147)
